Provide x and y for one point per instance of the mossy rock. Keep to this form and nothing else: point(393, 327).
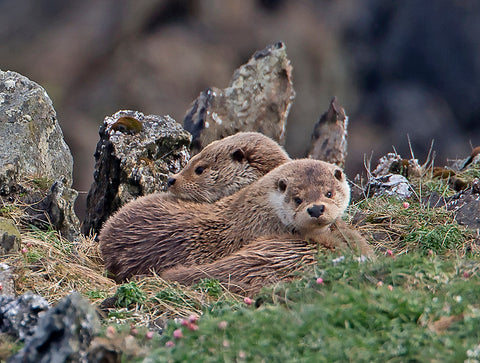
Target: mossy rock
point(9, 236)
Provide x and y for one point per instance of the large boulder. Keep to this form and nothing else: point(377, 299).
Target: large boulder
point(134, 157)
point(258, 98)
point(35, 162)
point(31, 141)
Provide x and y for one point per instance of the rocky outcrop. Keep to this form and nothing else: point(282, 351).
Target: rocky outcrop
point(62, 334)
point(31, 141)
point(134, 157)
point(258, 99)
point(32, 149)
point(329, 139)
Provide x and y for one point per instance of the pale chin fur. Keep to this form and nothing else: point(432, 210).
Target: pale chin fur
point(277, 203)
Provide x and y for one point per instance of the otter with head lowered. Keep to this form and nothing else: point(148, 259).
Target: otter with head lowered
point(225, 166)
point(301, 197)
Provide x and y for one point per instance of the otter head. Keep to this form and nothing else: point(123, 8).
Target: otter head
point(309, 194)
point(225, 166)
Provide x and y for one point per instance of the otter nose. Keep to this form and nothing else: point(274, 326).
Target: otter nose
point(171, 181)
point(316, 211)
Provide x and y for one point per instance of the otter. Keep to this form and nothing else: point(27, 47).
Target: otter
point(225, 166)
point(271, 259)
point(153, 233)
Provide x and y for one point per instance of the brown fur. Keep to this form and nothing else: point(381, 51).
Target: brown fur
point(157, 233)
point(227, 165)
point(269, 260)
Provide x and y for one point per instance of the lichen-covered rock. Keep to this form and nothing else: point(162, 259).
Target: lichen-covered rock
point(31, 141)
point(32, 148)
point(62, 334)
point(134, 157)
point(258, 99)
point(329, 139)
point(390, 184)
point(19, 316)
point(9, 236)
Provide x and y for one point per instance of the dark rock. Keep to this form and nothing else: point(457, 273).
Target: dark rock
point(329, 139)
point(19, 316)
point(466, 205)
point(133, 160)
point(63, 333)
point(258, 99)
point(7, 283)
point(54, 209)
point(9, 236)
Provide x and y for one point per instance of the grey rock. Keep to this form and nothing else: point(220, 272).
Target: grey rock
point(390, 184)
point(31, 141)
point(62, 334)
point(19, 316)
point(32, 148)
point(7, 283)
point(9, 236)
point(329, 139)
point(134, 157)
point(258, 99)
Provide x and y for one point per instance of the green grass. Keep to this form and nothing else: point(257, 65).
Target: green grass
point(351, 317)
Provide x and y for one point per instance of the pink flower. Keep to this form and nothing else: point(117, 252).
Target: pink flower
point(248, 301)
point(177, 334)
point(320, 281)
point(24, 250)
point(29, 245)
point(466, 275)
point(406, 205)
point(222, 325)
point(379, 284)
point(150, 334)
point(192, 318)
point(192, 326)
point(1, 287)
point(170, 344)
point(390, 253)
point(184, 322)
point(390, 287)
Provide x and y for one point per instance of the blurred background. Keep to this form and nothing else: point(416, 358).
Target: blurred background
point(397, 67)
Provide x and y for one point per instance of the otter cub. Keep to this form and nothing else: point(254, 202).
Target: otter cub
point(225, 166)
point(301, 197)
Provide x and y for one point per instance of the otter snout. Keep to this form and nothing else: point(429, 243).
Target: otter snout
point(316, 210)
point(171, 181)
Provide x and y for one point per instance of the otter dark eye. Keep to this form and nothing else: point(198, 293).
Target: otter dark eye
point(199, 170)
point(329, 194)
point(297, 200)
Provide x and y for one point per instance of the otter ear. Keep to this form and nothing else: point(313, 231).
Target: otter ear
point(238, 155)
point(282, 185)
point(338, 174)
